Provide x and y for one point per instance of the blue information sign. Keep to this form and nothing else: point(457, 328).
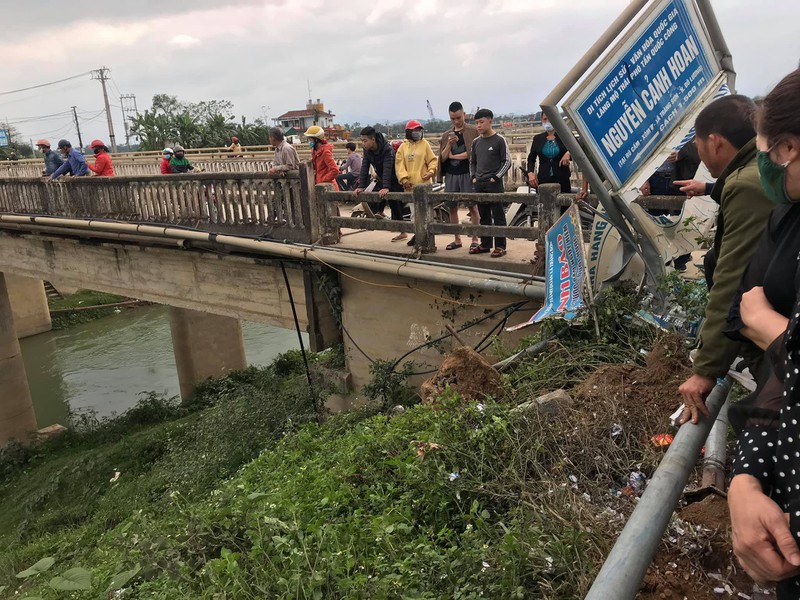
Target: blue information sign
point(3, 137)
point(635, 99)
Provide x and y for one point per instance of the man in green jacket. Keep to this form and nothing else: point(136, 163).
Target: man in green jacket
point(726, 144)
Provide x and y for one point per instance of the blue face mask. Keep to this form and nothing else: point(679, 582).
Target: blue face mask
point(548, 126)
point(311, 144)
point(167, 156)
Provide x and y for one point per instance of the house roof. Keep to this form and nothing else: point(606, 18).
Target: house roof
point(297, 114)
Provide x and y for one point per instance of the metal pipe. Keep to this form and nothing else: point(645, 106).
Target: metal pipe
point(716, 450)
point(595, 52)
point(443, 274)
point(622, 572)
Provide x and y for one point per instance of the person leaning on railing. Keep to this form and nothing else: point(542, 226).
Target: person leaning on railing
point(74, 162)
point(285, 158)
point(51, 159)
point(102, 167)
point(764, 495)
point(415, 163)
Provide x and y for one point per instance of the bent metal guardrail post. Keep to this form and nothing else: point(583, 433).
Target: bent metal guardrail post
point(623, 571)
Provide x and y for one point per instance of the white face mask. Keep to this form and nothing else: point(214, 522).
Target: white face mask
point(548, 126)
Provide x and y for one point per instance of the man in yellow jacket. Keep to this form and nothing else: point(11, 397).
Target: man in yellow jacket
point(414, 163)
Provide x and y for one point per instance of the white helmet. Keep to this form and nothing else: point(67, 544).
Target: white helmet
point(167, 151)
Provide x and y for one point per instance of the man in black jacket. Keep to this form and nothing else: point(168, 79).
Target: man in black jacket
point(378, 153)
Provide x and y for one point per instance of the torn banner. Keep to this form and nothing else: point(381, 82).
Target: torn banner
point(565, 273)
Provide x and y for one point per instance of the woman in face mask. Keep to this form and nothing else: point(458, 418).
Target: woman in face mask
point(102, 166)
point(166, 156)
point(325, 167)
point(553, 158)
point(414, 163)
point(764, 495)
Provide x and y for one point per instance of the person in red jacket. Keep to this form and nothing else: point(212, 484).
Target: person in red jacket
point(166, 156)
point(325, 167)
point(102, 163)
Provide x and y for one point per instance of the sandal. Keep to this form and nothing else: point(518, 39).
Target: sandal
point(498, 252)
point(474, 245)
point(478, 249)
point(453, 246)
point(399, 237)
point(412, 241)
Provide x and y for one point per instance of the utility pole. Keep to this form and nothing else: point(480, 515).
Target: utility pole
point(102, 75)
point(128, 105)
point(78, 127)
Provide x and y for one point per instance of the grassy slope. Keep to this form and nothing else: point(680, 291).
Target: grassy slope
point(248, 498)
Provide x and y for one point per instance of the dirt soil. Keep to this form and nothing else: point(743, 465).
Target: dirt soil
point(695, 556)
point(466, 372)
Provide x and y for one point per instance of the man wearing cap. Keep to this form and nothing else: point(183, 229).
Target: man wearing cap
point(74, 162)
point(51, 159)
point(414, 163)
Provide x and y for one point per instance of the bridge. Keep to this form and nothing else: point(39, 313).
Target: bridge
point(222, 247)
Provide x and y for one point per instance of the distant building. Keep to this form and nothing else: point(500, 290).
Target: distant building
point(313, 114)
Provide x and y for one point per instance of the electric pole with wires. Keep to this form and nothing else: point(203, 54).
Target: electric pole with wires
point(77, 127)
point(129, 110)
point(101, 74)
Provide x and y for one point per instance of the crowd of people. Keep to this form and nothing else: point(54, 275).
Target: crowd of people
point(753, 312)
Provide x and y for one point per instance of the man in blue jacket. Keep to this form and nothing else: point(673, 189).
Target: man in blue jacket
point(74, 163)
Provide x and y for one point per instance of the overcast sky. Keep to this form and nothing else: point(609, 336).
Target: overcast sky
point(368, 60)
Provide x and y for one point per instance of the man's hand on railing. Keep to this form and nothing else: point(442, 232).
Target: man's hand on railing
point(762, 540)
point(357, 192)
point(532, 180)
point(382, 193)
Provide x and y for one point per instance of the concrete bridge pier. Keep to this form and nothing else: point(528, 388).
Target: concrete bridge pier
point(17, 419)
point(205, 345)
point(29, 305)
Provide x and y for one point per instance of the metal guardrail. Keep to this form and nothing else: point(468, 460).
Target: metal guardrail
point(252, 203)
point(623, 571)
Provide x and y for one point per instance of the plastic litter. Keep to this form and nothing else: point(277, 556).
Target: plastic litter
point(662, 440)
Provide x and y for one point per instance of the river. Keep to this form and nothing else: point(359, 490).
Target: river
point(105, 364)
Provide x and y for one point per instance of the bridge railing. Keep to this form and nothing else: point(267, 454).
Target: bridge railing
point(251, 203)
point(548, 204)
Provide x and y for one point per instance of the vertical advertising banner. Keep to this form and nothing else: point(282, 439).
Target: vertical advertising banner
point(565, 273)
point(3, 137)
point(635, 99)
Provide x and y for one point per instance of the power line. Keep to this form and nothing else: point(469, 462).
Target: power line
point(41, 85)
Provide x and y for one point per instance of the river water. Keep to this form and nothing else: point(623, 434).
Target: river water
point(105, 364)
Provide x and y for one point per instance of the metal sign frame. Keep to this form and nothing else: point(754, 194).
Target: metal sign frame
point(635, 238)
point(685, 18)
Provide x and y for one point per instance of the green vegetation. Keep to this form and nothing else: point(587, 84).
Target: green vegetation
point(81, 299)
point(242, 493)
